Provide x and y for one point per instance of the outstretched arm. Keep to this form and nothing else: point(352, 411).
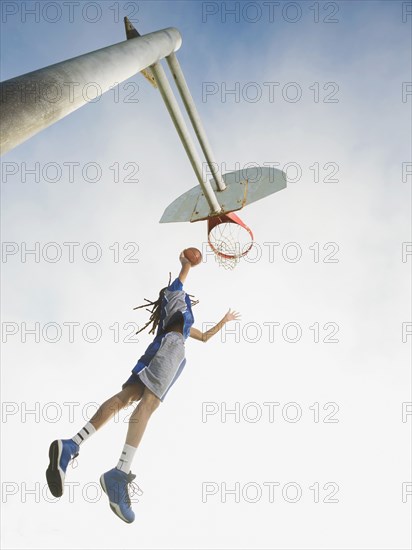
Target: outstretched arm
point(186, 265)
point(205, 336)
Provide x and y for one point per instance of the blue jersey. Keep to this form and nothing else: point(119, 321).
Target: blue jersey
point(175, 307)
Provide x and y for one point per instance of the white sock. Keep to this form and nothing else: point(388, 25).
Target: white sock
point(126, 458)
point(84, 434)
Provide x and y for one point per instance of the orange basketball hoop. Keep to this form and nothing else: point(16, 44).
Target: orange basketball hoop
point(229, 238)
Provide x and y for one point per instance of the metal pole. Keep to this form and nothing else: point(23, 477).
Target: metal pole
point(180, 125)
point(32, 102)
point(192, 111)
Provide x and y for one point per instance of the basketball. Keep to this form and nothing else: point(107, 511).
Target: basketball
point(193, 255)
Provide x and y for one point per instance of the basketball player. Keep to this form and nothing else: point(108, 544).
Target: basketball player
point(151, 379)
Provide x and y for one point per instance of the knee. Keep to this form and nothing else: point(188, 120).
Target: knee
point(130, 394)
point(122, 400)
point(136, 393)
point(149, 401)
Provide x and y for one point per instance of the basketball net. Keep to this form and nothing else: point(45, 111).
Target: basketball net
point(229, 238)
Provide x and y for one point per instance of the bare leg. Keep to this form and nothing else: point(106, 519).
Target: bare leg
point(140, 417)
point(109, 408)
point(116, 481)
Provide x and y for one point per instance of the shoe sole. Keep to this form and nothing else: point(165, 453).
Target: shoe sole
point(53, 473)
point(114, 507)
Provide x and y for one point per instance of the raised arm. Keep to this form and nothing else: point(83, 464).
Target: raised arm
point(205, 336)
point(186, 265)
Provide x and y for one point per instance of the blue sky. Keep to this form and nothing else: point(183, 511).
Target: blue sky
point(358, 212)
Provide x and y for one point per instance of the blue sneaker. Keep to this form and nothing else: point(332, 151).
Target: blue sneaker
point(115, 484)
point(61, 452)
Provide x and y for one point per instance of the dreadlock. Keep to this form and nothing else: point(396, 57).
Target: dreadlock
point(154, 308)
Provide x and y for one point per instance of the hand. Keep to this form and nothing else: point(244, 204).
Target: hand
point(231, 315)
point(183, 259)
